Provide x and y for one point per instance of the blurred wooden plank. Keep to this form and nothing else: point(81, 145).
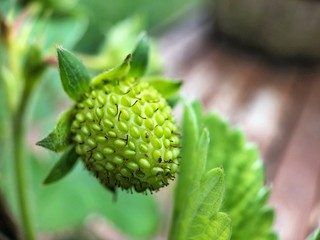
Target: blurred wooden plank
point(296, 185)
point(277, 106)
point(251, 94)
point(294, 99)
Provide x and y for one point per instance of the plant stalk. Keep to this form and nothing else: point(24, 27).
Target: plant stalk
point(20, 160)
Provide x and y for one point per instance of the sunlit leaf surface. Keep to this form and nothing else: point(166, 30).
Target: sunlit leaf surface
point(246, 195)
point(199, 192)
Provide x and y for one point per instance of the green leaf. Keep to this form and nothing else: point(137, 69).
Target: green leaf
point(246, 195)
point(70, 203)
point(120, 40)
point(191, 183)
point(190, 130)
point(74, 76)
point(114, 74)
point(190, 133)
point(264, 222)
point(140, 58)
point(173, 101)
point(66, 31)
point(217, 227)
point(208, 202)
point(63, 166)
point(272, 236)
point(59, 139)
point(315, 235)
point(211, 191)
point(166, 87)
point(197, 109)
point(199, 193)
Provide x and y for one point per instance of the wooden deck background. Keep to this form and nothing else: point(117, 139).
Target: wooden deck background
point(277, 105)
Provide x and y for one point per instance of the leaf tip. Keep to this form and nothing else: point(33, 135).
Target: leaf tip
point(220, 171)
point(128, 58)
point(60, 48)
point(43, 143)
point(62, 167)
point(45, 182)
point(48, 180)
point(73, 74)
point(140, 57)
point(39, 143)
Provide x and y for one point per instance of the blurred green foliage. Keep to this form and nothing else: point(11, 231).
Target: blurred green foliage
point(103, 14)
point(67, 203)
point(199, 192)
point(88, 26)
point(83, 24)
point(156, 15)
point(246, 195)
point(244, 200)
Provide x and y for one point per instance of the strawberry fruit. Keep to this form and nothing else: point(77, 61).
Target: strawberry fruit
point(126, 135)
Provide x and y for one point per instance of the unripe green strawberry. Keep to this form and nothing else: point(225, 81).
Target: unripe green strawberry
point(126, 135)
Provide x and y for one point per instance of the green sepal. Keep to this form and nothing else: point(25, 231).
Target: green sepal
point(63, 166)
point(114, 74)
point(173, 101)
point(140, 58)
point(74, 76)
point(60, 138)
point(166, 87)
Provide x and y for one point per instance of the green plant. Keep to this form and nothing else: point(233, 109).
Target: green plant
point(200, 190)
point(213, 151)
point(219, 191)
point(122, 128)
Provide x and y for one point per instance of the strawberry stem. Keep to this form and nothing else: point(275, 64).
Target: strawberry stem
point(19, 154)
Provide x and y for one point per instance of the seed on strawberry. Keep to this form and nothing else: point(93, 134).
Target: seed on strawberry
point(126, 136)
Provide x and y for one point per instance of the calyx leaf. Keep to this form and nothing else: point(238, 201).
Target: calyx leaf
point(59, 139)
point(63, 166)
point(116, 73)
point(74, 76)
point(140, 58)
point(166, 87)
